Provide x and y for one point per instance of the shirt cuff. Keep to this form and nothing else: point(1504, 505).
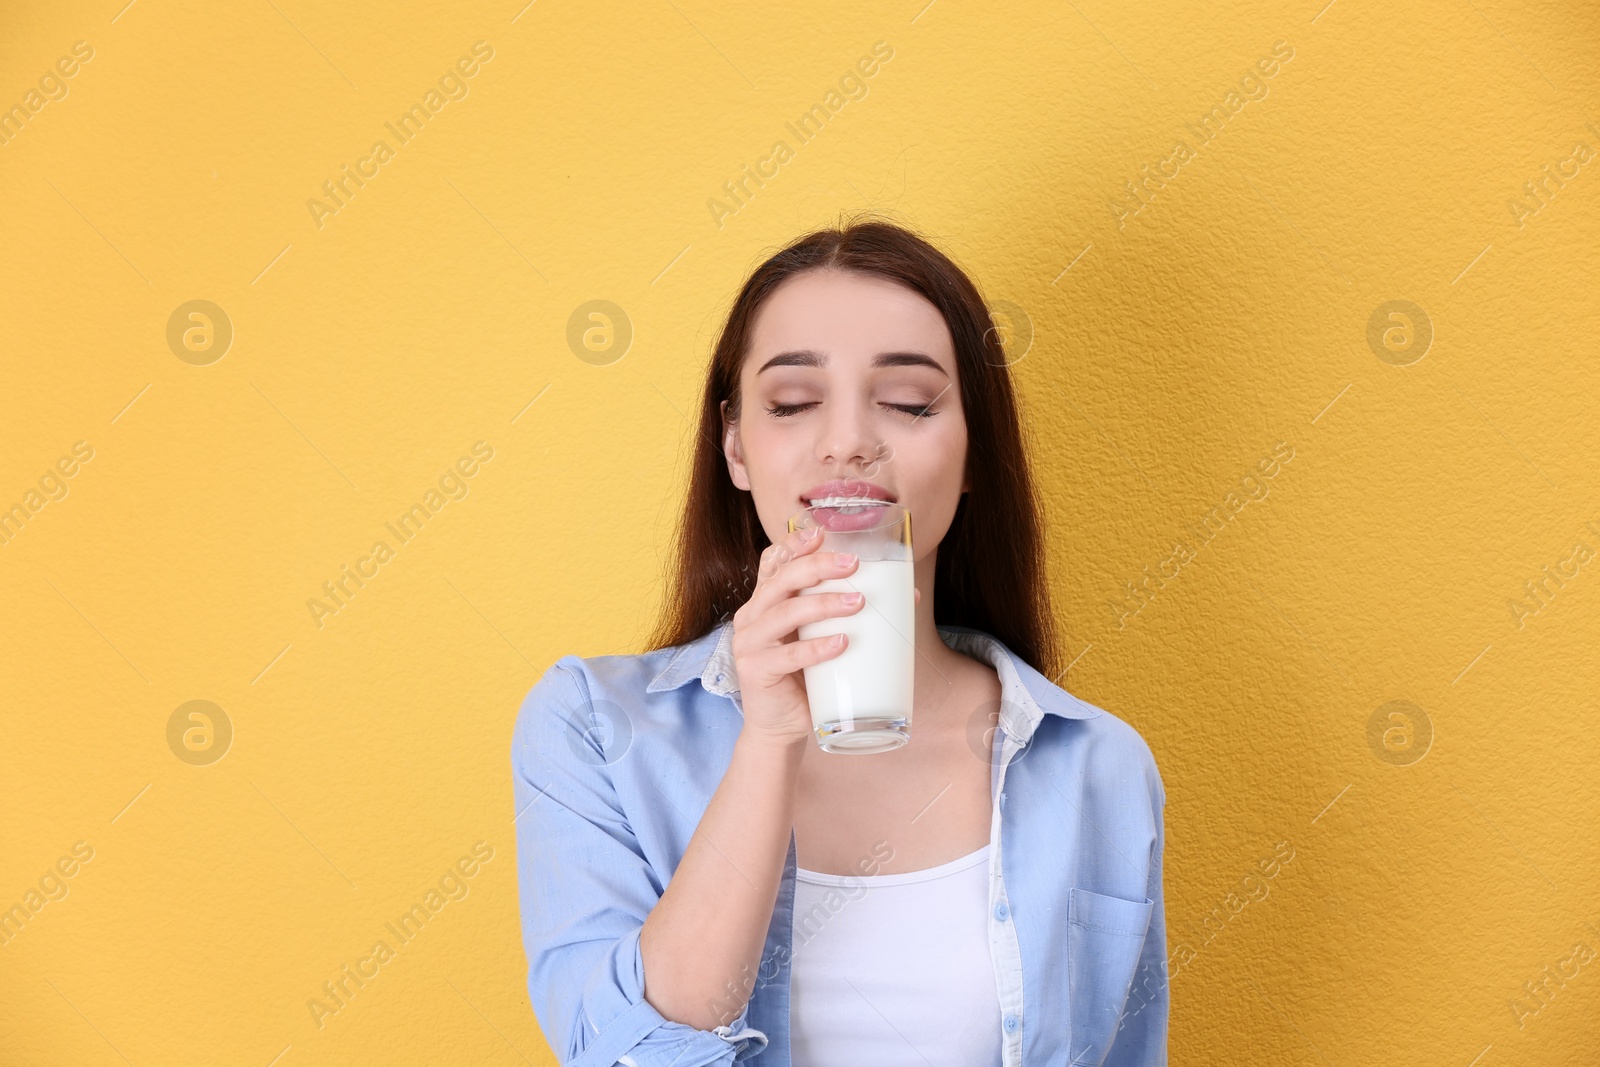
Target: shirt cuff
point(642, 1037)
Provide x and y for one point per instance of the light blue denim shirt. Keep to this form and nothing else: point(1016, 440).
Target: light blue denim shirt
point(615, 759)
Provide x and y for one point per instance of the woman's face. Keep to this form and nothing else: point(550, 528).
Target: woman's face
point(849, 377)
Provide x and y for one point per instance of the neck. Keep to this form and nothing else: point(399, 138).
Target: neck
point(937, 662)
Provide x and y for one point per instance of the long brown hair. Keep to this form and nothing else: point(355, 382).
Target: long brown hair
point(990, 571)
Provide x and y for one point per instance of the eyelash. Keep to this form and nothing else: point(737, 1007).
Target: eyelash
point(783, 411)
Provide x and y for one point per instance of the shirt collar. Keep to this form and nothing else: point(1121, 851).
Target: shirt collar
point(1026, 696)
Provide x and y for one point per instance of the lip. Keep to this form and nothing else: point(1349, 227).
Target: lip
point(850, 487)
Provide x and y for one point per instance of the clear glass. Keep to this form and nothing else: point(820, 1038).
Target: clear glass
point(861, 699)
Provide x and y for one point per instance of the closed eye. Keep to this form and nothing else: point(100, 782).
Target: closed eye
point(783, 411)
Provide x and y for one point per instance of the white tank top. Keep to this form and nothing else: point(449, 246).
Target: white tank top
point(894, 969)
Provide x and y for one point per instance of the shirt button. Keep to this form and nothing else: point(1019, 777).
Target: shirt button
point(1010, 1024)
point(1001, 911)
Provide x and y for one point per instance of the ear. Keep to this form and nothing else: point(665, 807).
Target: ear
point(732, 451)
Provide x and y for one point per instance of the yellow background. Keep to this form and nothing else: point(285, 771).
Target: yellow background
point(370, 753)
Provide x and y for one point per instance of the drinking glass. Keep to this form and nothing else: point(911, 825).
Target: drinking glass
point(861, 699)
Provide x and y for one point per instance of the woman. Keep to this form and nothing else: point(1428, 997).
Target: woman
point(700, 881)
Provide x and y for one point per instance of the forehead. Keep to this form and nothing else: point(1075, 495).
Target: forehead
point(849, 317)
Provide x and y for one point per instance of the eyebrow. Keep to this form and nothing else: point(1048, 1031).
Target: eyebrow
point(805, 357)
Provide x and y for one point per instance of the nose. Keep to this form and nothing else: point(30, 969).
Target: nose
point(847, 439)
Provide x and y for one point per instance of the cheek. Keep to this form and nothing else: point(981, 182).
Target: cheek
point(930, 524)
point(775, 463)
point(931, 469)
point(768, 450)
point(941, 456)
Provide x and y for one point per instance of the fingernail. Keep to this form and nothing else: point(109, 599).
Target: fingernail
point(852, 598)
point(846, 558)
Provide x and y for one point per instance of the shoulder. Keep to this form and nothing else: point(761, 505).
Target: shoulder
point(576, 680)
point(616, 674)
point(1115, 752)
point(582, 699)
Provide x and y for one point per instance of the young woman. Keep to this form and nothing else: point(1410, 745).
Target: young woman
point(700, 882)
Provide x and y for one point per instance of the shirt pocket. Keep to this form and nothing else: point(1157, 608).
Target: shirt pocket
point(1105, 936)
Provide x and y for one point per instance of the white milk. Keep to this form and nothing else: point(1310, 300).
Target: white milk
point(872, 679)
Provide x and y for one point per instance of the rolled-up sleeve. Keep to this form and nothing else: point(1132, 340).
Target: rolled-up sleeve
point(1141, 1039)
point(585, 891)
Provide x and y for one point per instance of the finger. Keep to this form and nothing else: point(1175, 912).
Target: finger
point(791, 546)
point(788, 615)
point(771, 664)
point(794, 574)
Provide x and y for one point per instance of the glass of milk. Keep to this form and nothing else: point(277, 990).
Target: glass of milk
point(861, 698)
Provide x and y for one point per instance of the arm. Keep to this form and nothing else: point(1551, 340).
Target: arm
point(702, 942)
point(1141, 1039)
point(590, 900)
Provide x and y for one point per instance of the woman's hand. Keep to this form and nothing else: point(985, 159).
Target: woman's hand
point(767, 655)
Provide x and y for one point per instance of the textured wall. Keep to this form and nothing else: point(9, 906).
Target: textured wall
point(1305, 304)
